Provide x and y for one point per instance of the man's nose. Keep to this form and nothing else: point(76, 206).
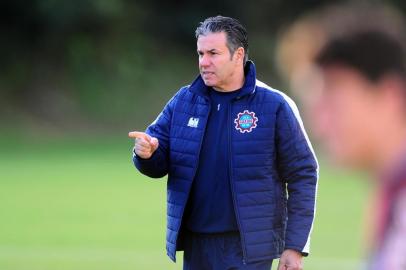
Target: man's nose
point(204, 61)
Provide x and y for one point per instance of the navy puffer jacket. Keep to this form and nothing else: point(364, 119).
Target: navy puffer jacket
point(273, 168)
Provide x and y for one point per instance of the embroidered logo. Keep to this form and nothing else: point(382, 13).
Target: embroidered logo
point(245, 121)
point(193, 122)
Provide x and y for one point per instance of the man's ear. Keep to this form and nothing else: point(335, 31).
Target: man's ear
point(239, 54)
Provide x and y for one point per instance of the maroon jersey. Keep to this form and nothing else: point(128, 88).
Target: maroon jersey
point(390, 251)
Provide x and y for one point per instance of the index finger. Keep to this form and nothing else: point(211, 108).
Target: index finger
point(139, 135)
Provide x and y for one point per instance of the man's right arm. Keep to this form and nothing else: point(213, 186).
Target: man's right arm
point(157, 165)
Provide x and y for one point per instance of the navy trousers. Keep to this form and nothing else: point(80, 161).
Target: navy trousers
point(217, 252)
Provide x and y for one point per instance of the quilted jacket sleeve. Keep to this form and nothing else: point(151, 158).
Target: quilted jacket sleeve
point(298, 168)
point(158, 165)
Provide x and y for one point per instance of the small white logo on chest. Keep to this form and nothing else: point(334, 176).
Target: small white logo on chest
point(193, 122)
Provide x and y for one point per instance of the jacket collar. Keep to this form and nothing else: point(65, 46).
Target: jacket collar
point(198, 87)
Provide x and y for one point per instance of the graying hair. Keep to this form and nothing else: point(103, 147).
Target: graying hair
point(235, 32)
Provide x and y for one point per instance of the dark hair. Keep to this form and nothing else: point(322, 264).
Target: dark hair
point(235, 32)
point(373, 53)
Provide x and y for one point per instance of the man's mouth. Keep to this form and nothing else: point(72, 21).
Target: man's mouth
point(207, 73)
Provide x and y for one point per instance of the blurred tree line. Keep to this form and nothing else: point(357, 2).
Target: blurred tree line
point(111, 65)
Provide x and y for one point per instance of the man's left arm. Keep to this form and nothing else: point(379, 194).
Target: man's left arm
point(298, 167)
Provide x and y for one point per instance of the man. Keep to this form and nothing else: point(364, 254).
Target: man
point(361, 115)
point(232, 147)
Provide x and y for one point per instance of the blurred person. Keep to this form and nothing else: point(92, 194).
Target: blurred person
point(360, 114)
point(242, 175)
point(340, 116)
point(364, 125)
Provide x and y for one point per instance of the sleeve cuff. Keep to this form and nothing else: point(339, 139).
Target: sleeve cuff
point(304, 254)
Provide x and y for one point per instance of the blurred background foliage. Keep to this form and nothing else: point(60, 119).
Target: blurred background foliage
point(110, 65)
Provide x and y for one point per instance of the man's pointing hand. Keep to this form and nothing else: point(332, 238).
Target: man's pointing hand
point(145, 145)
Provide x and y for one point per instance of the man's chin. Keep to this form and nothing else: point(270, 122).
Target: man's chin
point(209, 83)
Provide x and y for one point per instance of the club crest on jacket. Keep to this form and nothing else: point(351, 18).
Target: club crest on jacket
point(246, 121)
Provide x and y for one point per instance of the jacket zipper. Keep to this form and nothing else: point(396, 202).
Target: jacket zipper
point(233, 186)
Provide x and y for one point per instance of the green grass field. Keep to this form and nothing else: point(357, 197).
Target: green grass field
point(80, 204)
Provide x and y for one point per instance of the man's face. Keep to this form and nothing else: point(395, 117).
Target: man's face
point(348, 116)
point(216, 64)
